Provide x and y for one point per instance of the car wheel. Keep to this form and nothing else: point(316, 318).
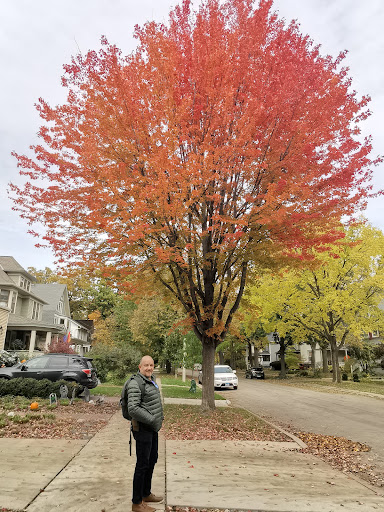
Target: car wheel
point(234, 387)
point(247, 376)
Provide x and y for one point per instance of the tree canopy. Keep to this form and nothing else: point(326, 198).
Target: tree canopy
point(224, 138)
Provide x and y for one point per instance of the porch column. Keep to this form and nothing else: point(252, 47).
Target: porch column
point(32, 343)
point(47, 340)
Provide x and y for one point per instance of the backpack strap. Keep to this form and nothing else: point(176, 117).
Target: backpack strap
point(140, 382)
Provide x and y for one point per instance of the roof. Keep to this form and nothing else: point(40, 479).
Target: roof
point(88, 324)
point(9, 264)
point(17, 321)
point(50, 292)
point(5, 279)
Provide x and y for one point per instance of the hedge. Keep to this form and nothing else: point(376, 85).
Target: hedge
point(32, 387)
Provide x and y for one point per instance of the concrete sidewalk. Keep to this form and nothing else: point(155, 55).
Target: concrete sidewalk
point(99, 477)
point(247, 475)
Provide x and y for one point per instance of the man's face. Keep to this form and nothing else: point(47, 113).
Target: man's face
point(146, 366)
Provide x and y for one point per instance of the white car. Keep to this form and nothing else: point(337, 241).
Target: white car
point(224, 377)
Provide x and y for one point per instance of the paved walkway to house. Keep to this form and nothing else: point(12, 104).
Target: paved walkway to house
point(95, 476)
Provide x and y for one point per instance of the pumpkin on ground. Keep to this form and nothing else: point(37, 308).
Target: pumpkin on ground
point(34, 406)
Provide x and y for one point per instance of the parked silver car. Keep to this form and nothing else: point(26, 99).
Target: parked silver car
point(224, 377)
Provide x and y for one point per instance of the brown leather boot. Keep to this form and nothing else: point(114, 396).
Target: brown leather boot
point(142, 507)
point(153, 499)
point(148, 508)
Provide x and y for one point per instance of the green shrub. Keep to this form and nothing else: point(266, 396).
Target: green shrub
point(19, 419)
point(31, 388)
point(276, 365)
point(303, 373)
point(49, 416)
point(119, 361)
point(356, 377)
point(317, 374)
point(344, 376)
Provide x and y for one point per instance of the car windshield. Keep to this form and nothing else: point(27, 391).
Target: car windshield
point(223, 369)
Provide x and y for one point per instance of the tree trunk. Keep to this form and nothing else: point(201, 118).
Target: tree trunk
point(232, 355)
point(336, 377)
point(282, 374)
point(256, 357)
point(313, 357)
point(221, 357)
point(208, 399)
point(250, 355)
point(324, 353)
point(168, 366)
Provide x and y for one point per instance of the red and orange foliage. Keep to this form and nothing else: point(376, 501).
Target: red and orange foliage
point(225, 138)
point(59, 346)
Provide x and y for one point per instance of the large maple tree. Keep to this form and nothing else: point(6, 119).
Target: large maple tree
point(224, 138)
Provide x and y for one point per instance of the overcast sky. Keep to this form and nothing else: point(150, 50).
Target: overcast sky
point(38, 37)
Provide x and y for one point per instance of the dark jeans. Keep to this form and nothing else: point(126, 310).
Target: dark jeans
point(146, 458)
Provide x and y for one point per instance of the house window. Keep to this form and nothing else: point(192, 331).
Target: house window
point(13, 303)
point(36, 310)
point(25, 284)
point(4, 298)
point(60, 306)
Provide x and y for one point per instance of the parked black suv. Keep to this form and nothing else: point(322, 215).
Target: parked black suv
point(255, 373)
point(70, 367)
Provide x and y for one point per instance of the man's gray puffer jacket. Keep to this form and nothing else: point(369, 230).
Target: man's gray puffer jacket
point(146, 409)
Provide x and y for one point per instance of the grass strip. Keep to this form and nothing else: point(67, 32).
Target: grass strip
point(107, 389)
point(367, 386)
point(188, 422)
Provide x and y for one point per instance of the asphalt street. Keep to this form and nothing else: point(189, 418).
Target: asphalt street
point(356, 417)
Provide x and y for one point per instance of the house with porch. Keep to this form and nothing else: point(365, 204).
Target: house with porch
point(270, 353)
point(32, 315)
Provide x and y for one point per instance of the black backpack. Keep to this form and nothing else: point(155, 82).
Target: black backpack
point(124, 395)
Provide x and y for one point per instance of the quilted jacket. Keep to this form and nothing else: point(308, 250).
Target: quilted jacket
point(146, 409)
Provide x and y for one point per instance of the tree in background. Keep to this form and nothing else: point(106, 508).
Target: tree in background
point(86, 293)
point(198, 154)
point(337, 301)
point(284, 340)
point(153, 326)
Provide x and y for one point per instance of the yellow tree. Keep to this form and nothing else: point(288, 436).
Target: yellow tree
point(337, 301)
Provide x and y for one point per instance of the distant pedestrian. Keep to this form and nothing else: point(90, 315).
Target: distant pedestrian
point(146, 410)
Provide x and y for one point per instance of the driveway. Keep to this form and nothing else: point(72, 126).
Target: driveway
point(356, 417)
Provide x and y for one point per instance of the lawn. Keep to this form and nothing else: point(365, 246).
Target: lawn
point(326, 385)
point(80, 420)
point(107, 389)
point(188, 422)
point(172, 387)
point(175, 381)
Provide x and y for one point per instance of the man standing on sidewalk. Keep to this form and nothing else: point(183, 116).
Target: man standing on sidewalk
point(146, 410)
